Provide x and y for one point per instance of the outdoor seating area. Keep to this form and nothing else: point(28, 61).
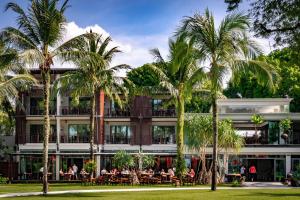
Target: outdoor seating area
point(133, 177)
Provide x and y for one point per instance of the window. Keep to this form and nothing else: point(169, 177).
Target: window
point(120, 134)
point(163, 134)
point(37, 133)
point(157, 104)
point(79, 133)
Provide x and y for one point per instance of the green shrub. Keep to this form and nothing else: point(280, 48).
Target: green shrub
point(236, 183)
point(3, 180)
point(90, 166)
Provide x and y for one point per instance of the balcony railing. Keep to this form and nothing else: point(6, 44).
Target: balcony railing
point(68, 110)
point(38, 138)
point(164, 113)
point(117, 113)
point(35, 110)
point(75, 139)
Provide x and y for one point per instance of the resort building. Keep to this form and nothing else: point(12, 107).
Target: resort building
point(145, 126)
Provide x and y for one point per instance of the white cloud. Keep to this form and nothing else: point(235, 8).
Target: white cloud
point(135, 48)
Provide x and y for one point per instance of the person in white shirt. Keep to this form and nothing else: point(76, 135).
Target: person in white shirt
point(103, 171)
point(75, 170)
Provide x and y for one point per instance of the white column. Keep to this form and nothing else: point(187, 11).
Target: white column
point(57, 168)
point(98, 162)
point(288, 164)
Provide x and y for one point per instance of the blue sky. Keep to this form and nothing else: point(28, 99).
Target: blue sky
point(135, 25)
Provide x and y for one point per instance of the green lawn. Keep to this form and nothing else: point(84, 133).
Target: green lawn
point(17, 188)
point(259, 194)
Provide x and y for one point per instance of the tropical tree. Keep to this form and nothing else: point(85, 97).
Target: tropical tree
point(229, 140)
point(122, 160)
point(37, 41)
point(179, 75)
point(256, 120)
point(285, 125)
point(94, 74)
point(198, 130)
point(227, 49)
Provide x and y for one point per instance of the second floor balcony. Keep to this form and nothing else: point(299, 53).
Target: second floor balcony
point(36, 110)
point(70, 110)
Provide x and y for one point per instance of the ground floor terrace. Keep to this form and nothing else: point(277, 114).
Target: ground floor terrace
point(272, 163)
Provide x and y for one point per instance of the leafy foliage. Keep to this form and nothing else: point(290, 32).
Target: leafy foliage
point(123, 160)
point(90, 166)
point(284, 28)
point(285, 124)
point(148, 161)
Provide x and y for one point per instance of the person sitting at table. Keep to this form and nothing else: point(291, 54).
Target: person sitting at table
point(162, 172)
point(103, 171)
point(171, 172)
point(83, 173)
point(70, 172)
point(61, 173)
point(125, 172)
point(191, 173)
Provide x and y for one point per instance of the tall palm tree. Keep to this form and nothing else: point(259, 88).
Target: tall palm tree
point(37, 39)
point(94, 74)
point(12, 75)
point(179, 75)
point(226, 49)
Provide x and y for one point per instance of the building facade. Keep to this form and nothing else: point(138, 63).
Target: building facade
point(145, 126)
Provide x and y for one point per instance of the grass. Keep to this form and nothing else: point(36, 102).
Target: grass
point(259, 194)
point(18, 188)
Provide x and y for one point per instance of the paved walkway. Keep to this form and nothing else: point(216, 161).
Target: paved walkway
point(264, 184)
point(258, 186)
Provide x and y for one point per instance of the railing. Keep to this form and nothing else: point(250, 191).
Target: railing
point(164, 113)
point(68, 110)
point(75, 139)
point(36, 110)
point(38, 138)
point(116, 113)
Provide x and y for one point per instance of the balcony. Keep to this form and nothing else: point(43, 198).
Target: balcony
point(68, 110)
point(117, 113)
point(75, 139)
point(164, 113)
point(38, 138)
point(36, 110)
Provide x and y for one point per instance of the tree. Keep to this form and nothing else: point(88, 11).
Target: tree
point(229, 140)
point(257, 120)
point(94, 74)
point(227, 49)
point(287, 64)
point(285, 125)
point(179, 75)
point(198, 130)
point(40, 30)
point(285, 27)
point(199, 135)
point(123, 160)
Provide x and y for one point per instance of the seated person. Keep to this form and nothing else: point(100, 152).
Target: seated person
point(103, 171)
point(61, 173)
point(171, 172)
point(163, 172)
point(83, 173)
point(191, 173)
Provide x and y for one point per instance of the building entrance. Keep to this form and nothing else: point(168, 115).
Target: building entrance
point(264, 169)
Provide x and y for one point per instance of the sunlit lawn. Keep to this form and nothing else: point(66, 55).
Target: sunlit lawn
point(17, 188)
point(260, 194)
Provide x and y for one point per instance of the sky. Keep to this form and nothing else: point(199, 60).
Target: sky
point(136, 26)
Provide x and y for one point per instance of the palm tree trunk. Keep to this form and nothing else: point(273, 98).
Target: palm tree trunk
point(46, 84)
point(180, 167)
point(215, 144)
point(92, 126)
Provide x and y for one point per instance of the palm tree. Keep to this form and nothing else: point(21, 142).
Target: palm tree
point(94, 74)
point(226, 49)
point(37, 38)
point(179, 75)
point(12, 76)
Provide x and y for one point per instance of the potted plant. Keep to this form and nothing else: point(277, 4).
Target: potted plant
point(285, 125)
point(257, 120)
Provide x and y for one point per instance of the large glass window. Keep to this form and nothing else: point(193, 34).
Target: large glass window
point(79, 133)
point(120, 134)
point(163, 134)
point(37, 133)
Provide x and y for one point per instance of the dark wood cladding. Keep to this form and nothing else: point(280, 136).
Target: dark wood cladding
point(141, 107)
point(141, 120)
